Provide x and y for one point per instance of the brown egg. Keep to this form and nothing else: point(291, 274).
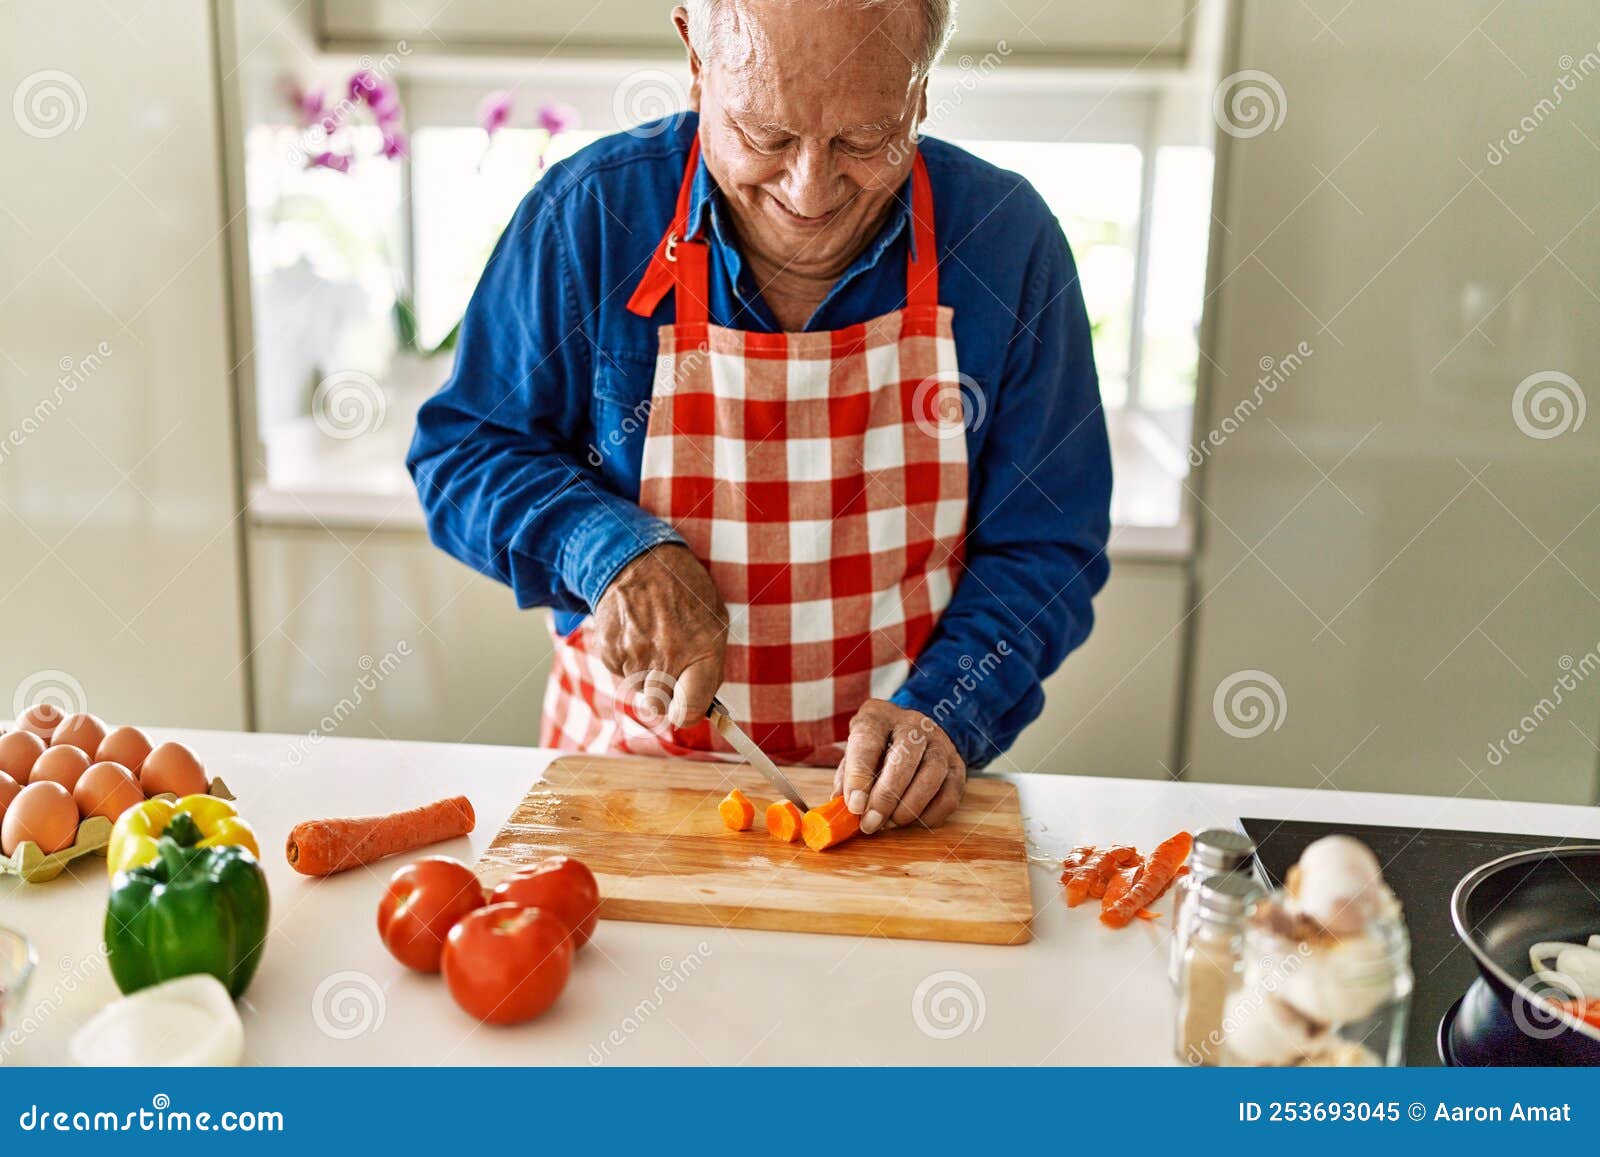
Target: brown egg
point(173, 767)
point(43, 813)
point(42, 719)
point(83, 731)
point(19, 751)
point(106, 789)
point(8, 792)
point(127, 746)
point(63, 764)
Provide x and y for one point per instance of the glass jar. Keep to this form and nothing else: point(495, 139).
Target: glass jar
point(1210, 969)
point(1216, 850)
point(1310, 998)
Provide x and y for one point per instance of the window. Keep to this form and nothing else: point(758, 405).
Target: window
point(1121, 163)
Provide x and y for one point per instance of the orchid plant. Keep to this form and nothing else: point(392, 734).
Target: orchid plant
point(370, 98)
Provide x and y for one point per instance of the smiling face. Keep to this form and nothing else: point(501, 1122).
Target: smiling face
point(805, 118)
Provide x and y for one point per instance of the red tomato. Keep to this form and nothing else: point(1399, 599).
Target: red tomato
point(505, 964)
point(423, 902)
point(560, 885)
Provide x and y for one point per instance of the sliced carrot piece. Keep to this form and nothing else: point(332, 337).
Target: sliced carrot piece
point(1121, 882)
point(783, 820)
point(1091, 879)
point(830, 824)
point(737, 812)
point(1159, 872)
point(1075, 860)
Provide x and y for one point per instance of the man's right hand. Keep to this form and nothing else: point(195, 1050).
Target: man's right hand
point(663, 613)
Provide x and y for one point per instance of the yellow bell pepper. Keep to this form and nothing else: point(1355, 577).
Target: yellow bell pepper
point(137, 831)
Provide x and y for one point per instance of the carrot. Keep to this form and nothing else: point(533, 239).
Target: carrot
point(1091, 879)
point(783, 820)
point(737, 812)
point(323, 847)
point(1075, 860)
point(830, 824)
point(1120, 883)
point(1159, 872)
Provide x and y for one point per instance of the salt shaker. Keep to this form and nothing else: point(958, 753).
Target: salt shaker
point(1212, 963)
point(1216, 851)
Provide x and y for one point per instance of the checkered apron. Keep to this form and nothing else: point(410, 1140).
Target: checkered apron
point(821, 478)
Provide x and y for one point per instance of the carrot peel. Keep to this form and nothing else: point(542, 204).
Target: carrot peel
point(737, 812)
point(784, 820)
point(829, 825)
point(323, 847)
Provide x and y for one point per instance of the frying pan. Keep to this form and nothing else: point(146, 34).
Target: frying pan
point(1504, 908)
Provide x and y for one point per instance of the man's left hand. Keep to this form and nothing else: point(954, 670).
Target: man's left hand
point(899, 767)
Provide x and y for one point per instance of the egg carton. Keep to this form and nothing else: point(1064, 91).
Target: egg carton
point(94, 833)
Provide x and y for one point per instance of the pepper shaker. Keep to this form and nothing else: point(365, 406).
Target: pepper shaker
point(1216, 851)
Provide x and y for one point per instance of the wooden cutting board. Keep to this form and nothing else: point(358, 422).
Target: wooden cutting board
point(649, 830)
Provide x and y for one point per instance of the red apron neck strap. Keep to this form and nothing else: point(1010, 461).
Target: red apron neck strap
point(680, 264)
point(922, 262)
point(677, 263)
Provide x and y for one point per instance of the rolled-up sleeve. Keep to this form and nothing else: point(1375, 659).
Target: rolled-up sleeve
point(501, 457)
point(1036, 528)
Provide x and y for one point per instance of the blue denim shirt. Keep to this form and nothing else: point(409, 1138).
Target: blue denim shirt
point(527, 461)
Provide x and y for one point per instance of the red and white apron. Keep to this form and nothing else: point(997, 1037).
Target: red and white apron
point(821, 478)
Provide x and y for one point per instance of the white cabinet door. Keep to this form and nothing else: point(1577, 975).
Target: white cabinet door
point(1112, 709)
point(120, 569)
point(1402, 533)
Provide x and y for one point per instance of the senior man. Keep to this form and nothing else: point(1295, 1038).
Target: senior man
point(776, 402)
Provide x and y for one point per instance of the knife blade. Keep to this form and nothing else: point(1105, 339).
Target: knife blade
point(724, 725)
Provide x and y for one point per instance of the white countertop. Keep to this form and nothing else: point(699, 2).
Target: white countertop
point(328, 992)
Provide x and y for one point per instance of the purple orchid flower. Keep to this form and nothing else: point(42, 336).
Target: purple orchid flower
point(495, 112)
point(395, 144)
point(556, 118)
point(337, 162)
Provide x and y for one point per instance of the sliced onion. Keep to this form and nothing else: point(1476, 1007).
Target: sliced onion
point(1542, 956)
point(1577, 965)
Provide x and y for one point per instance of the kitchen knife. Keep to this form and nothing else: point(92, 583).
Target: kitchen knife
point(724, 725)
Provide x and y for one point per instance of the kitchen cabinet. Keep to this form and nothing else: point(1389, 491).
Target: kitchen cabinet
point(1390, 534)
point(120, 580)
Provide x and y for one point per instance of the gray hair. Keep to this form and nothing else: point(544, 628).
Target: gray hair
point(940, 14)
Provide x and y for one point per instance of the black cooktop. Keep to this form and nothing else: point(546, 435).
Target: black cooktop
point(1422, 866)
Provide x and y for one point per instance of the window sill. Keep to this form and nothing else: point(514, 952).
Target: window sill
point(321, 483)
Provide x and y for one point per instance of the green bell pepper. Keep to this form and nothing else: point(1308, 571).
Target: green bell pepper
point(190, 910)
